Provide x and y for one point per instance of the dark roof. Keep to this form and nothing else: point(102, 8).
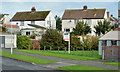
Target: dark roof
point(27, 29)
point(113, 19)
point(84, 14)
point(37, 26)
point(29, 16)
point(118, 13)
point(1, 16)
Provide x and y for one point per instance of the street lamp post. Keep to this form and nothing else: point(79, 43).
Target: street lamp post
point(11, 41)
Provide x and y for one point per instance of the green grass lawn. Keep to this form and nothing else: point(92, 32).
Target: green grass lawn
point(26, 58)
point(81, 68)
point(86, 56)
point(112, 63)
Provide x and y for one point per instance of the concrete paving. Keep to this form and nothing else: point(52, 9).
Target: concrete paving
point(67, 62)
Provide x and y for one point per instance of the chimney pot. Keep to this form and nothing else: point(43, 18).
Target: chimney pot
point(33, 9)
point(108, 14)
point(85, 7)
point(111, 15)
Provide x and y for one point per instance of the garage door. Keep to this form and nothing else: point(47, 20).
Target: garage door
point(2, 41)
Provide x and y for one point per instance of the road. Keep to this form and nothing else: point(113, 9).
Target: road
point(11, 65)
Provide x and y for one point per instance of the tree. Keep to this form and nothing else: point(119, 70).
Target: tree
point(23, 42)
point(102, 27)
point(51, 38)
point(81, 29)
point(58, 23)
point(75, 42)
point(4, 29)
point(90, 42)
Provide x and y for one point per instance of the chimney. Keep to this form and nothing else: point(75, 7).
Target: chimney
point(85, 7)
point(111, 15)
point(108, 14)
point(33, 10)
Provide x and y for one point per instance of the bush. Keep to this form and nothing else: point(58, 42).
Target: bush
point(23, 42)
point(90, 43)
point(33, 35)
point(51, 38)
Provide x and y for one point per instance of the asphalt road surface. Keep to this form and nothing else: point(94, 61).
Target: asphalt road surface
point(11, 65)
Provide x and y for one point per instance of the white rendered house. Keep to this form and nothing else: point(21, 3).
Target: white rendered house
point(4, 19)
point(71, 17)
point(30, 20)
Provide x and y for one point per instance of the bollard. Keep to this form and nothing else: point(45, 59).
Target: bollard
point(73, 51)
point(65, 50)
point(29, 46)
point(58, 49)
point(50, 48)
point(44, 48)
point(92, 52)
point(83, 52)
point(39, 47)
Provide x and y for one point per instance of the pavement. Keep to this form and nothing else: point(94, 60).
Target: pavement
point(68, 62)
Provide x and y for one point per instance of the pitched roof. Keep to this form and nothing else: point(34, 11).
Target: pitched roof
point(9, 26)
point(112, 35)
point(1, 15)
point(113, 19)
point(37, 26)
point(84, 14)
point(118, 13)
point(29, 16)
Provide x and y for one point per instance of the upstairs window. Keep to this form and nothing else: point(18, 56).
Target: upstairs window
point(104, 43)
point(67, 29)
point(32, 22)
point(76, 21)
point(114, 42)
point(22, 22)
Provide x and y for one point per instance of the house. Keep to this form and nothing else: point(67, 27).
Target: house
point(109, 45)
point(33, 20)
point(4, 19)
point(71, 17)
point(15, 28)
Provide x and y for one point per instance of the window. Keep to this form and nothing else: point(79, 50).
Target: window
point(49, 24)
point(22, 22)
point(104, 43)
point(76, 21)
point(28, 33)
point(41, 32)
point(114, 43)
point(32, 22)
point(67, 29)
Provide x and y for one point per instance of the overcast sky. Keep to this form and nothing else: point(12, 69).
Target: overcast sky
point(57, 8)
point(60, 0)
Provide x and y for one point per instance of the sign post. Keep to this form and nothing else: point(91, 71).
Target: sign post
point(66, 37)
point(11, 41)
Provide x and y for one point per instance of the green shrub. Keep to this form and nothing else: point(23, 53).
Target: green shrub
point(33, 35)
point(23, 42)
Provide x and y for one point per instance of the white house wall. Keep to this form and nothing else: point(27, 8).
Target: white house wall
point(51, 18)
point(71, 24)
point(40, 23)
